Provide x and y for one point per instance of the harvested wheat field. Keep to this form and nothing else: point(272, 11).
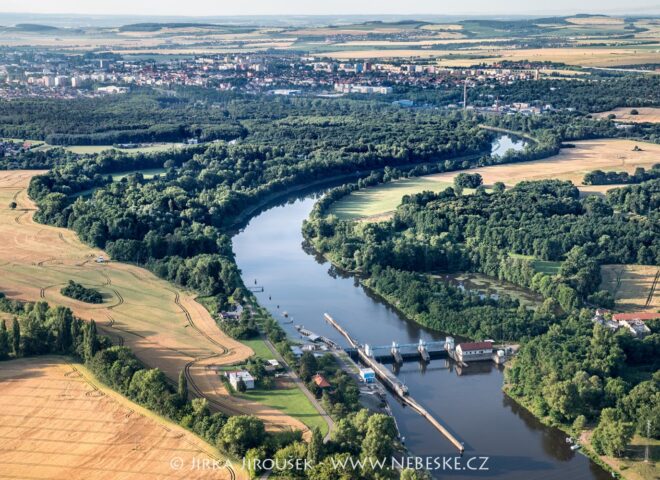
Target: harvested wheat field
point(377, 203)
point(57, 423)
point(623, 115)
point(634, 287)
point(586, 56)
point(163, 325)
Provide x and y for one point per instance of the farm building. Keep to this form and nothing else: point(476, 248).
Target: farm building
point(367, 375)
point(234, 377)
point(472, 351)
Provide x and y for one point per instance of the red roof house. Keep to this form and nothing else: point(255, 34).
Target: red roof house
point(320, 381)
point(643, 316)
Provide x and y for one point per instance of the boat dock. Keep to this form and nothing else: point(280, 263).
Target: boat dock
point(392, 382)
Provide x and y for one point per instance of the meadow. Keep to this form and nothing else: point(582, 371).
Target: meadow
point(631, 286)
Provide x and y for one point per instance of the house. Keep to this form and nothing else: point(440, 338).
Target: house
point(643, 316)
point(320, 381)
point(272, 365)
point(636, 327)
point(297, 351)
point(234, 378)
point(471, 351)
point(634, 322)
point(235, 315)
point(367, 375)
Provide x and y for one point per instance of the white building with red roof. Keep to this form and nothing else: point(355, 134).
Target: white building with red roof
point(471, 351)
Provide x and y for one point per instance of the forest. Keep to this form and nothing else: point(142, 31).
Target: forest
point(175, 223)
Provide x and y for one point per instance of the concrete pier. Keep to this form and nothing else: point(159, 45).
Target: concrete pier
point(393, 383)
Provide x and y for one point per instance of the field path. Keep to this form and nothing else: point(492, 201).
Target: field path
point(164, 326)
point(57, 422)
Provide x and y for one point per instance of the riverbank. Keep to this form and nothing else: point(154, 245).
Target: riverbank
point(636, 470)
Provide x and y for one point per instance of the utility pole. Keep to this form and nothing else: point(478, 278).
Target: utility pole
point(465, 94)
point(648, 436)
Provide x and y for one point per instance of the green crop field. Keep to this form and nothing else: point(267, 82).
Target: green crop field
point(382, 199)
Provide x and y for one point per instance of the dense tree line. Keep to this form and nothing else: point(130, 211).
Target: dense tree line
point(587, 95)
point(143, 116)
point(598, 177)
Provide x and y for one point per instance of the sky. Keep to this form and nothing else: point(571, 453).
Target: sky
point(329, 7)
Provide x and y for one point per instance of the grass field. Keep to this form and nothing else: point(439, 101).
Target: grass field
point(377, 203)
point(160, 147)
point(646, 114)
point(631, 286)
point(163, 325)
point(288, 398)
point(58, 422)
point(543, 266)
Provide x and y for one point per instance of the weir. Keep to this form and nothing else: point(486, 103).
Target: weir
point(365, 353)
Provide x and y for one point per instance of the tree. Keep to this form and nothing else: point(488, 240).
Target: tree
point(634, 112)
point(499, 187)
point(315, 447)
point(308, 366)
point(4, 341)
point(182, 388)
point(612, 435)
point(240, 385)
point(16, 337)
point(410, 474)
point(381, 431)
point(91, 341)
point(468, 180)
point(13, 205)
point(241, 433)
point(578, 425)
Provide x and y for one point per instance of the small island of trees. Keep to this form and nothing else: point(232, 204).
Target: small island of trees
point(79, 292)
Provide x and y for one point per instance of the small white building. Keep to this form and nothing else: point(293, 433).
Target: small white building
point(367, 375)
point(234, 378)
point(472, 351)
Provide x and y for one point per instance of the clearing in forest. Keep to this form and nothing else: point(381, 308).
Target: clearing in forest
point(163, 325)
point(379, 202)
point(57, 422)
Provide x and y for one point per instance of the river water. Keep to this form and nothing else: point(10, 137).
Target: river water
point(470, 401)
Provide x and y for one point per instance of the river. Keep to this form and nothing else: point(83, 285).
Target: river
point(470, 401)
